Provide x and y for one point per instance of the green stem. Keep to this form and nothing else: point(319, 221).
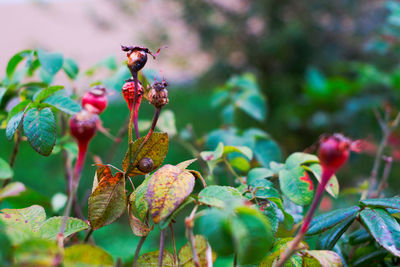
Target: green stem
point(13, 155)
point(88, 235)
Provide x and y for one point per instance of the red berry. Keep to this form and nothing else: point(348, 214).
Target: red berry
point(83, 125)
point(334, 151)
point(95, 100)
point(128, 90)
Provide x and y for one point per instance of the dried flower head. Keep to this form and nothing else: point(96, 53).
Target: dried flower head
point(158, 94)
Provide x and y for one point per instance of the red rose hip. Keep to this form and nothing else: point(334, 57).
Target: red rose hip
point(95, 100)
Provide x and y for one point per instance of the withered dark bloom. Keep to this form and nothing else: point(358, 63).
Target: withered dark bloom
point(158, 94)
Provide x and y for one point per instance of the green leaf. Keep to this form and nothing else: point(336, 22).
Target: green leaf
point(5, 170)
point(300, 158)
point(278, 248)
point(240, 149)
point(138, 227)
point(370, 258)
point(22, 224)
point(202, 248)
point(296, 185)
point(329, 239)
point(108, 201)
point(138, 200)
point(359, 236)
point(253, 235)
point(266, 151)
point(333, 185)
point(150, 259)
point(264, 189)
point(166, 123)
point(215, 226)
point(253, 104)
point(87, 255)
point(63, 103)
point(168, 188)
point(393, 203)
point(50, 62)
point(12, 189)
point(325, 257)
point(40, 129)
point(70, 68)
point(258, 174)
point(240, 164)
point(45, 93)
point(45, 76)
point(36, 252)
point(13, 124)
point(383, 227)
point(14, 61)
point(21, 106)
point(269, 210)
point(51, 227)
point(218, 196)
point(2, 93)
point(155, 148)
point(328, 220)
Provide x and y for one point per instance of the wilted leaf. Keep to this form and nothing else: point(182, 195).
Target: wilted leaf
point(5, 170)
point(138, 227)
point(51, 227)
point(12, 189)
point(328, 220)
point(155, 148)
point(296, 185)
point(40, 128)
point(151, 259)
point(325, 257)
point(167, 189)
point(383, 227)
point(108, 200)
point(36, 252)
point(185, 254)
point(218, 196)
point(87, 255)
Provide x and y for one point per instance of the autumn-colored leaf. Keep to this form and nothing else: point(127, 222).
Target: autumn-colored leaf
point(155, 148)
point(167, 189)
point(108, 200)
point(203, 250)
point(138, 227)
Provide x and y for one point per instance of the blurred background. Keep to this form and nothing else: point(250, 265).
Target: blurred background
point(316, 67)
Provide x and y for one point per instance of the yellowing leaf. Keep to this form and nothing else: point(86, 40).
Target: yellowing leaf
point(203, 250)
point(155, 148)
point(167, 189)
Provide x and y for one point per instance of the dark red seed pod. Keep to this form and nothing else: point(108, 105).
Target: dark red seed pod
point(95, 100)
point(128, 91)
point(334, 151)
point(158, 95)
point(83, 126)
point(137, 58)
point(146, 165)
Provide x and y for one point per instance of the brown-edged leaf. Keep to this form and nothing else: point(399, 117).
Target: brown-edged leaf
point(138, 227)
point(108, 200)
point(151, 259)
point(167, 189)
point(155, 148)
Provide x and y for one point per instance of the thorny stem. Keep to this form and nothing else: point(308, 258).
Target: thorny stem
point(138, 248)
point(173, 243)
point(161, 252)
point(14, 154)
point(189, 223)
point(326, 175)
point(385, 176)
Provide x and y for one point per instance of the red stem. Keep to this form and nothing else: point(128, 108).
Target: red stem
point(325, 177)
